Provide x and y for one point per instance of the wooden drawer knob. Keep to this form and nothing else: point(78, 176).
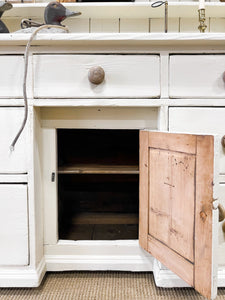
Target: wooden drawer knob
point(223, 227)
point(221, 212)
point(224, 72)
point(96, 75)
point(223, 141)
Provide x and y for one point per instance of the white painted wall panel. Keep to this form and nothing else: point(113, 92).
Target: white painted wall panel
point(158, 25)
point(134, 25)
point(191, 24)
point(10, 121)
point(104, 25)
point(13, 225)
point(197, 76)
point(199, 120)
point(11, 76)
point(126, 76)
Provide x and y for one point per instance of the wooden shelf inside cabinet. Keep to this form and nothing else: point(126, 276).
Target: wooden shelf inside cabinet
point(130, 10)
point(98, 169)
point(104, 218)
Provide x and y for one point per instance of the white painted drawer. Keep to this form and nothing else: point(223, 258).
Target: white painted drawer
point(13, 225)
point(199, 120)
point(199, 76)
point(126, 76)
point(11, 76)
point(10, 121)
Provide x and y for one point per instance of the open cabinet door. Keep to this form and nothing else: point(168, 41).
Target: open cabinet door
point(176, 205)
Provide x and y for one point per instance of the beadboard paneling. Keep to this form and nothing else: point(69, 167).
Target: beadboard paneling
point(158, 25)
point(191, 25)
point(104, 25)
point(134, 25)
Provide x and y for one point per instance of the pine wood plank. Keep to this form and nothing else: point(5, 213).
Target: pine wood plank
point(143, 190)
point(172, 260)
point(105, 218)
point(203, 216)
point(98, 169)
point(172, 199)
point(175, 142)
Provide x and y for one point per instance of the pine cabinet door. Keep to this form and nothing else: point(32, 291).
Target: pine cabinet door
point(177, 220)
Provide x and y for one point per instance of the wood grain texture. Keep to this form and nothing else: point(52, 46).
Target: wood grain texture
point(105, 218)
point(180, 189)
point(175, 142)
point(172, 199)
point(98, 169)
point(203, 216)
point(172, 260)
point(143, 190)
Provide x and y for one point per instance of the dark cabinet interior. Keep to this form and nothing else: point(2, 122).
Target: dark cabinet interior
point(98, 184)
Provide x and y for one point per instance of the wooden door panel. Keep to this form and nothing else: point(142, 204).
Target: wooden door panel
point(171, 220)
point(176, 197)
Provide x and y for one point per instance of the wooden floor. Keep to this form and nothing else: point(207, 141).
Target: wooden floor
point(101, 286)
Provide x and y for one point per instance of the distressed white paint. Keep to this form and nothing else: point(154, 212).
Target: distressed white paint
point(104, 25)
point(197, 76)
point(77, 25)
point(10, 121)
point(131, 76)
point(49, 152)
point(133, 10)
point(124, 255)
point(11, 76)
point(221, 249)
point(137, 25)
point(100, 118)
point(217, 24)
point(158, 25)
point(13, 225)
point(22, 276)
point(102, 112)
point(200, 120)
point(191, 24)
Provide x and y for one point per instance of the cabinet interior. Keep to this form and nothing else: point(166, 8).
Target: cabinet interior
point(98, 184)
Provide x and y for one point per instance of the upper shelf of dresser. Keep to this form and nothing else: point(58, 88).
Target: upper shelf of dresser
point(116, 39)
point(121, 10)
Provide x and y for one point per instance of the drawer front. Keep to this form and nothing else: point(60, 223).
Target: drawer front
point(221, 247)
point(199, 120)
point(11, 76)
point(13, 225)
point(199, 76)
point(10, 122)
point(126, 76)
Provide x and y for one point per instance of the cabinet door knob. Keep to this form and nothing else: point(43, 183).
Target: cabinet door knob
point(223, 141)
point(96, 75)
point(224, 72)
point(221, 212)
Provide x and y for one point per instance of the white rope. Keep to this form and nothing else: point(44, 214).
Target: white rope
point(12, 146)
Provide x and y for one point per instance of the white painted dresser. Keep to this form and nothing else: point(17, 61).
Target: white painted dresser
point(155, 81)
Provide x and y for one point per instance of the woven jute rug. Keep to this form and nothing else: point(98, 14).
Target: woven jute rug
point(101, 286)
